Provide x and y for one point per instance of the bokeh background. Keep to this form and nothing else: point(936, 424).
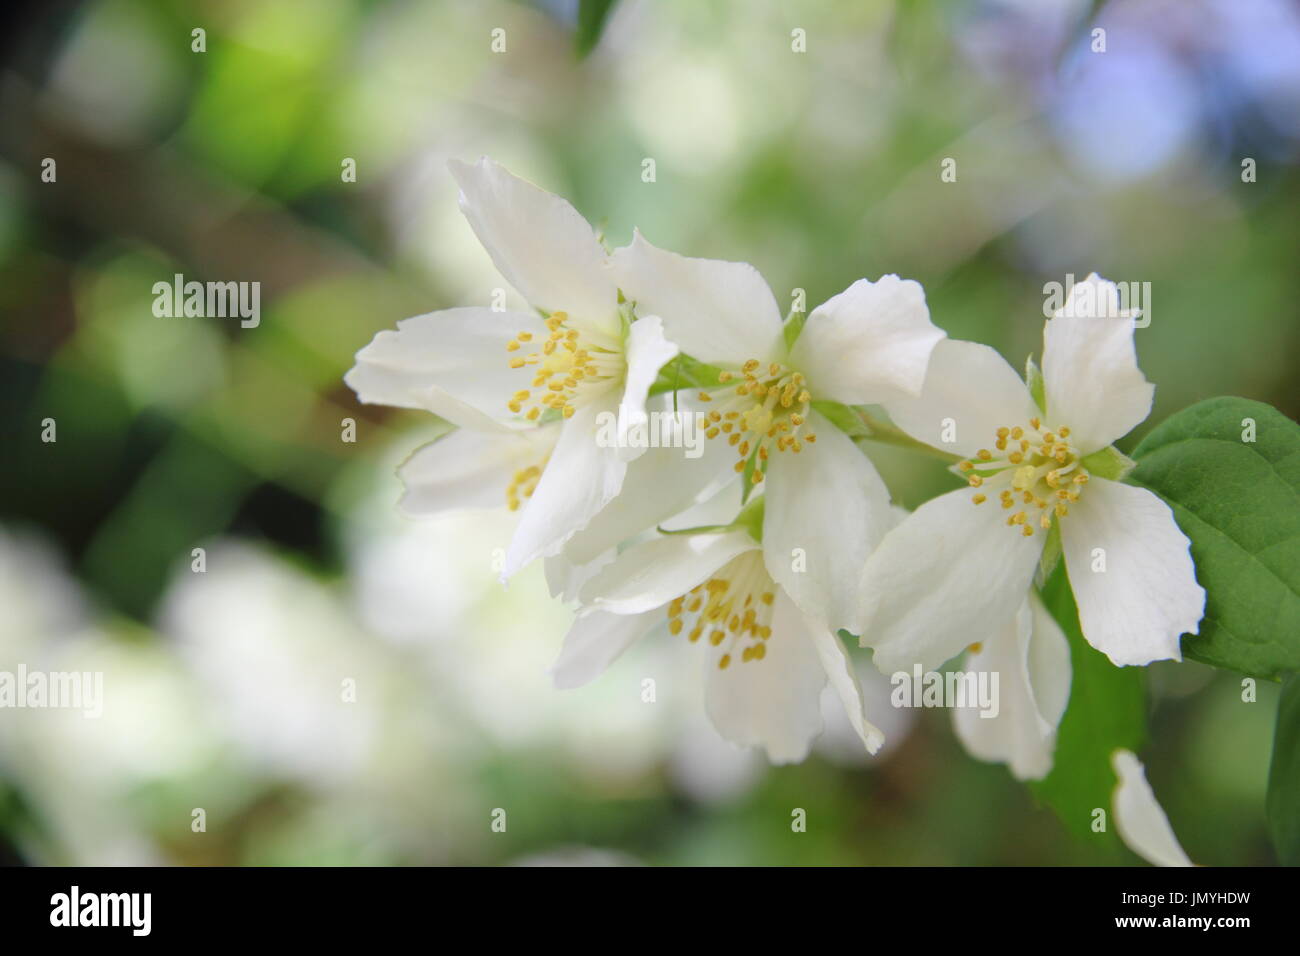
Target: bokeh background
point(223, 687)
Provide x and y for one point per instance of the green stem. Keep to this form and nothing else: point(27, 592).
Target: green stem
point(891, 435)
point(698, 529)
point(750, 520)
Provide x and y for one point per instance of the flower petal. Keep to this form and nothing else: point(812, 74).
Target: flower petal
point(565, 578)
point(951, 574)
point(540, 243)
point(714, 508)
point(470, 469)
point(1048, 666)
point(661, 483)
point(581, 477)
point(1141, 821)
point(1090, 372)
point(870, 343)
point(1094, 298)
point(718, 312)
point(647, 351)
point(970, 392)
point(654, 572)
point(453, 363)
point(773, 703)
point(595, 641)
point(844, 681)
point(1032, 663)
point(1136, 609)
point(826, 508)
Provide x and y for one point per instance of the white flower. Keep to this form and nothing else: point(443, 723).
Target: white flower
point(826, 505)
point(957, 570)
point(1139, 818)
point(768, 662)
point(468, 469)
point(487, 370)
point(1032, 661)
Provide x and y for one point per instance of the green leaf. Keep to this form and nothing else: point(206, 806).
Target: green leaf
point(1239, 503)
point(1283, 801)
point(1107, 709)
point(591, 22)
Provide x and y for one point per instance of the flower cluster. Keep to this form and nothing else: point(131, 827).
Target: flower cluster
point(779, 531)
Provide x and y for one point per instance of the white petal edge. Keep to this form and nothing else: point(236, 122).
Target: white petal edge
point(565, 578)
point(580, 479)
point(1094, 297)
point(826, 508)
point(773, 703)
point(1147, 597)
point(844, 682)
point(970, 392)
point(453, 363)
point(1091, 377)
point(1048, 666)
point(661, 483)
point(869, 344)
point(540, 244)
point(1139, 818)
point(1032, 661)
point(654, 572)
point(646, 352)
point(950, 575)
point(594, 642)
point(468, 469)
point(719, 312)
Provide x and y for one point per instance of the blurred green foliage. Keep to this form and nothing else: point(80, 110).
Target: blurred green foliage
point(819, 168)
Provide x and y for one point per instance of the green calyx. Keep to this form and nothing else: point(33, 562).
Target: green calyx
point(1110, 463)
point(749, 520)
